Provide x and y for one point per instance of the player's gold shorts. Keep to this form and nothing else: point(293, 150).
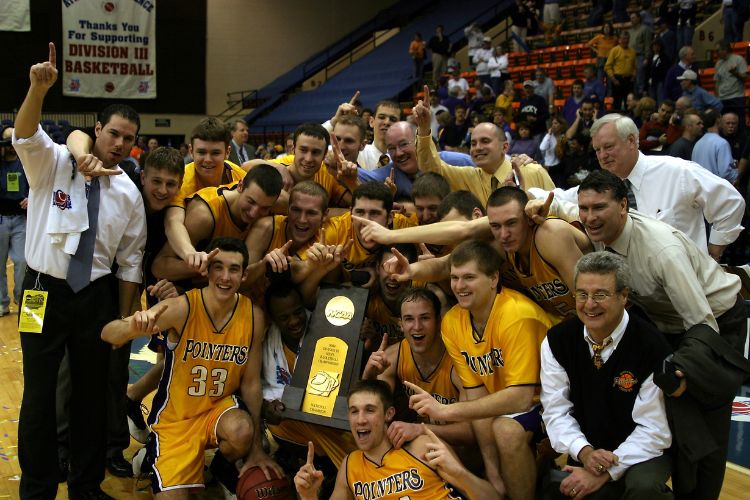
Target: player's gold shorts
point(179, 448)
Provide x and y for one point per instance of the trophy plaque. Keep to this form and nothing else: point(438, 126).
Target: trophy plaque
point(329, 360)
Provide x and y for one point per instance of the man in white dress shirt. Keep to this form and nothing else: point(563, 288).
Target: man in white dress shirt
point(81, 302)
point(672, 190)
point(601, 405)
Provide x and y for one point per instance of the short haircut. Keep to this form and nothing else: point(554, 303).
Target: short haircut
point(165, 158)
point(229, 244)
point(604, 262)
point(311, 188)
point(602, 181)
point(505, 194)
point(578, 81)
point(710, 117)
point(313, 130)
point(523, 124)
point(355, 121)
point(378, 387)
point(463, 201)
point(683, 52)
point(430, 184)
point(266, 177)
point(233, 124)
point(668, 102)
point(280, 289)
point(460, 105)
point(421, 293)
point(487, 259)
point(127, 112)
point(624, 125)
point(211, 130)
point(387, 103)
point(374, 190)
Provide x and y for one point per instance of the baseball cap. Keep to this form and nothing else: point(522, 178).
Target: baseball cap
point(487, 39)
point(529, 83)
point(688, 74)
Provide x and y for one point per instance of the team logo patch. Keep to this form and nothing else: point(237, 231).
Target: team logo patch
point(75, 85)
point(143, 87)
point(61, 199)
point(625, 381)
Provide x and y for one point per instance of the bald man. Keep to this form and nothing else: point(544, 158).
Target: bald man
point(488, 148)
point(400, 142)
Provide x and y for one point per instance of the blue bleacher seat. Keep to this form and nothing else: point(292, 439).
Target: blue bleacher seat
point(382, 74)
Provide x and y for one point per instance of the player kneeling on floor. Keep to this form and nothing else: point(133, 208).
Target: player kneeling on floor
point(424, 468)
point(213, 351)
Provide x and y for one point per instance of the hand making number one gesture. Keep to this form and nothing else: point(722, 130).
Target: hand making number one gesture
point(423, 114)
point(308, 479)
point(44, 75)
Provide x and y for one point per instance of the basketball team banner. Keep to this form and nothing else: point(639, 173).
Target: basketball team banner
point(109, 48)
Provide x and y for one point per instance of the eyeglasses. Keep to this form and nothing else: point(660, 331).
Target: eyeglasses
point(400, 146)
point(596, 296)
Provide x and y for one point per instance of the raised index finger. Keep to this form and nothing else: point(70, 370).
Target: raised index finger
point(384, 342)
point(426, 94)
point(548, 202)
point(52, 54)
point(310, 453)
point(354, 98)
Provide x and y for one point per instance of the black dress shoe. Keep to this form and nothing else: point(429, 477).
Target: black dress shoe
point(93, 494)
point(118, 466)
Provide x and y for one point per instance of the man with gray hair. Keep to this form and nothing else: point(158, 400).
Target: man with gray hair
point(698, 307)
point(675, 191)
point(616, 434)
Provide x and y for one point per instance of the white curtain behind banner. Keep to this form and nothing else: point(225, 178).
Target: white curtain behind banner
point(109, 48)
point(15, 15)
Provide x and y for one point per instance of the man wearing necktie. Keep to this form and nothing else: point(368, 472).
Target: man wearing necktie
point(601, 405)
point(680, 193)
point(240, 151)
point(696, 304)
point(79, 286)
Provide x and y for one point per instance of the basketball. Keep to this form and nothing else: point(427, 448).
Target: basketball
point(253, 485)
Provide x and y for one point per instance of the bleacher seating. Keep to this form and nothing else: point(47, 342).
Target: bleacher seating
point(381, 74)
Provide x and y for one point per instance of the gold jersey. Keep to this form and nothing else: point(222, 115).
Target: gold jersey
point(507, 353)
point(207, 365)
point(401, 475)
point(544, 285)
point(192, 184)
point(438, 383)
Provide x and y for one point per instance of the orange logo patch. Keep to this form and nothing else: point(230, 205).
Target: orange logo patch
point(625, 381)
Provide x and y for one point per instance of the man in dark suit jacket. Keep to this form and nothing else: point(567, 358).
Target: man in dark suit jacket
point(601, 405)
point(241, 151)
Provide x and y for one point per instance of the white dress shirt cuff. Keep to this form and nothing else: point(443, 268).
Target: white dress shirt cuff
point(132, 274)
point(576, 447)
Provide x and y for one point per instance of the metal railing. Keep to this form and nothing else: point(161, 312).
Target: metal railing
point(81, 120)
